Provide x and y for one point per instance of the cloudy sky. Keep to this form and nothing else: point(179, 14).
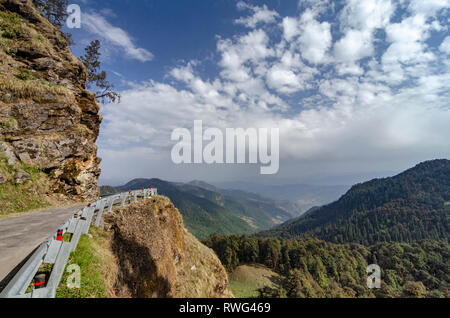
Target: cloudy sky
point(358, 89)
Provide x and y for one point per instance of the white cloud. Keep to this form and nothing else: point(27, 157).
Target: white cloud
point(252, 47)
point(315, 38)
point(283, 80)
point(351, 68)
point(372, 103)
point(116, 36)
point(358, 21)
point(366, 15)
point(428, 7)
point(354, 46)
point(290, 28)
point(407, 48)
point(261, 15)
point(445, 45)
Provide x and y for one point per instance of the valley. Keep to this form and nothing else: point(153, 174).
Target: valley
point(207, 209)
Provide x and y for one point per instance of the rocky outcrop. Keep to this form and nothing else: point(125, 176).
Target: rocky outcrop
point(158, 257)
point(47, 117)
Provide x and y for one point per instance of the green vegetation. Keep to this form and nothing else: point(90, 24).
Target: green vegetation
point(8, 124)
point(10, 31)
point(10, 25)
point(315, 268)
point(97, 77)
point(247, 280)
point(402, 222)
point(217, 211)
point(405, 208)
point(95, 261)
point(24, 74)
point(28, 196)
point(201, 216)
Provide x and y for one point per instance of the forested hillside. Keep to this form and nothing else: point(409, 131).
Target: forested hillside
point(201, 216)
point(314, 268)
point(413, 205)
point(207, 210)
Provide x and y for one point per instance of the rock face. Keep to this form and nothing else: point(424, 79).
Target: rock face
point(22, 177)
point(158, 257)
point(47, 117)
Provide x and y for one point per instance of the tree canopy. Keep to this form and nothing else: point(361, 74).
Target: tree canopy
point(96, 76)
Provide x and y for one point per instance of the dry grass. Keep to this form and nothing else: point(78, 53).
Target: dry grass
point(158, 257)
point(200, 274)
point(247, 279)
point(35, 89)
point(15, 35)
point(19, 81)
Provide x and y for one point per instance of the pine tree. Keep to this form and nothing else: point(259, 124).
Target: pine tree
point(96, 77)
point(54, 10)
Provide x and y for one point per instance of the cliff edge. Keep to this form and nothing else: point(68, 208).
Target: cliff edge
point(158, 257)
point(49, 122)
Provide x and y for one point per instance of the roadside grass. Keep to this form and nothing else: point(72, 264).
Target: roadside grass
point(245, 280)
point(97, 265)
point(16, 198)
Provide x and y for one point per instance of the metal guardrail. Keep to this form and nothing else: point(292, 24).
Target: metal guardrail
point(56, 252)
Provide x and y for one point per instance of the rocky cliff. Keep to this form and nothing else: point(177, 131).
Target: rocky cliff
point(158, 257)
point(48, 120)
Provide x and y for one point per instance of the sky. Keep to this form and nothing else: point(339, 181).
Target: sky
point(358, 89)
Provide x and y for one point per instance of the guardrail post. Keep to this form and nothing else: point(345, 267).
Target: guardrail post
point(100, 213)
point(123, 198)
point(89, 216)
point(58, 269)
point(77, 233)
point(111, 203)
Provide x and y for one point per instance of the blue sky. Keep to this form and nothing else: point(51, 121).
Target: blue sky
point(358, 88)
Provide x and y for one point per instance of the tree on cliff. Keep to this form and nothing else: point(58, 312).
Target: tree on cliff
point(54, 10)
point(97, 77)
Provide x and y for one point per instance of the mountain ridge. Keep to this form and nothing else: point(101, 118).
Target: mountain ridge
point(220, 211)
point(410, 206)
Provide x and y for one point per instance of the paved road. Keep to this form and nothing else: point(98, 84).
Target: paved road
point(21, 235)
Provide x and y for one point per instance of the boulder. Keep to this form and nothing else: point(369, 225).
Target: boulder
point(22, 177)
point(9, 153)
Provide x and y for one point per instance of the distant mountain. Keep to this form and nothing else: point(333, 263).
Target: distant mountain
point(207, 209)
point(413, 205)
point(304, 196)
point(107, 190)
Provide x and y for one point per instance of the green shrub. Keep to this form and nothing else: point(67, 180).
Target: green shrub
point(24, 74)
point(10, 25)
